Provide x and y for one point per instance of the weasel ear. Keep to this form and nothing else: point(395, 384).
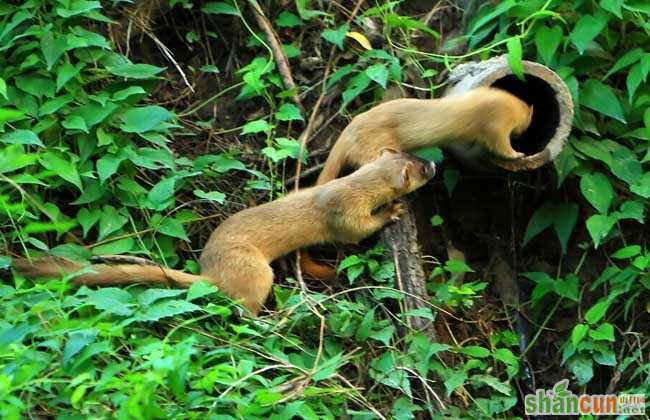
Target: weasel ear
point(386, 150)
point(405, 176)
point(530, 113)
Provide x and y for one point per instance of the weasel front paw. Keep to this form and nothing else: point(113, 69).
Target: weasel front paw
point(515, 155)
point(397, 209)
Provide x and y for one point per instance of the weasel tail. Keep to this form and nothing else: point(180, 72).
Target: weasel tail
point(102, 274)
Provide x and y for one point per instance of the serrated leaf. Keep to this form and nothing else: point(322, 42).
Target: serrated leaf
point(336, 36)
point(112, 299)
point(257, 126)
point(216, 196)
point(200, 289)
point(288, 112)
point(167, 308)
point(21, 137)
point(77, 341)
point(150, 296)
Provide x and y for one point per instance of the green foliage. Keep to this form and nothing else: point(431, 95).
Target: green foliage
point(91, 163)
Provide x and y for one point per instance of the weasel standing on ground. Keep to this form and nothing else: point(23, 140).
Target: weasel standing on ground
point(237, 255)
point(486, 116)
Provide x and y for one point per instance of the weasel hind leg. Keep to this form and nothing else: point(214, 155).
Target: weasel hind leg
point(243, 274)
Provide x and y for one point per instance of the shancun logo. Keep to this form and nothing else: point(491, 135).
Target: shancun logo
point(560, 401)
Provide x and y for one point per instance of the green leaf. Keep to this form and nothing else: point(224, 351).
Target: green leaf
point(631, 209)
point(200, 289)
point(613, 6)
point(597, 312)
point(111, 299)
point(77, 341)
point(53, 105)
point(8, 115)
point(642, 188)
point(257, 126)
point(457, 266)
point(140, 120)
point(627, 252)
point(604, 332)
point(219, 8)
point(216, 196)
point(582, 368)
point(167, 308)
point(436, 220)
point(75, 122)
point(66, 72)
point(88, 218)
point(162, 191)
point(597, 190)
point(453, 381)
point(379, 73)
point(150, 296)
point(120, 246)
point(13, 157)
point(599, 226)
point(514, 57)
point(450, 177)
point(287, 20)
point(578, 333)
point(475, 351)
point(37, 86)
point(634, 78)
point(121, 95)
point(52, 48)
point(174, 228)
point(600, 97)
point(336, 36)
point(3, 88)
point(627, 59)
point(567, 287)
point(21, 137)
point(62, 167)
point(288, 112)
point(77, 7)
point(110, 221)
point(135, 71)
point(107, 166)
point(355, 86)
point(327, 367)
point(587, 28)
point(546, 41)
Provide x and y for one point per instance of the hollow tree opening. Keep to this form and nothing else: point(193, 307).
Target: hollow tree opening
point(546, 115)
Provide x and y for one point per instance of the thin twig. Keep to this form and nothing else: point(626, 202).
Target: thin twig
point(278, 52)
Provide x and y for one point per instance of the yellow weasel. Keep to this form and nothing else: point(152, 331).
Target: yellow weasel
point(238, 254)
point(485, 116)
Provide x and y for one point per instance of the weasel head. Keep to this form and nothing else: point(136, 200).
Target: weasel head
point(404, 172)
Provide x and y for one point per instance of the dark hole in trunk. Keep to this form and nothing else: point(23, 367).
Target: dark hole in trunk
point(546, 112)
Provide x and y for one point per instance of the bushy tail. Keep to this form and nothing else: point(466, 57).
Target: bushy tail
point(102, 274)
point(315, 270)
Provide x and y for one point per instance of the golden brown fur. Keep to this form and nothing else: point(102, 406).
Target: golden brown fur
point(484, 115)
point(237, 255)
